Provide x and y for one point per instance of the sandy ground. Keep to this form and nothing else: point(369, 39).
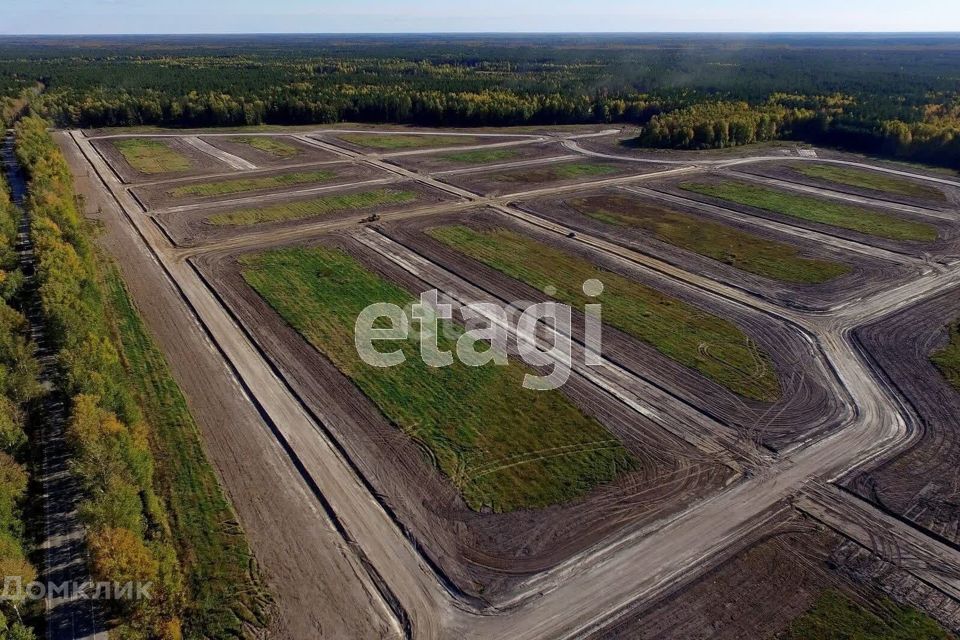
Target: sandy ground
point(808, 405)
point(755, 594)
point(157, 196)
point(301, 554)
point(947, 244)
point(787, 172)
point(305, 154)
point(867, 274)
point(639, 562)
point(481, 553)
point(529, 178)
point(192, 227)
point(200, 163)
point(921, 484)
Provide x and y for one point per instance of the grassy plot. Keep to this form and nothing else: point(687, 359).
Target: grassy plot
point(844, 216)
point(948, 359)
point(481, 156)
point(313, 208)
point(224, 591)
point(151, 156)
point(271, 146)
point(713, 346)
point(388, 142)
point(866, 179)
point(718, 241)
point(836, 617)
point(503, 446)
point(557, 171)
point(242, 185)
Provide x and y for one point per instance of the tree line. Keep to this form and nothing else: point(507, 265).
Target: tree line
point(868, 94)
point(129, 536)
point(19, 390)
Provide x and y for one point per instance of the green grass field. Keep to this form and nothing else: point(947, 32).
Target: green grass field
point(223, 591)
point(836, 617)
point(503, 446)
point(721, 242)
point(948, 359)
point(151, 156)
point(867, 179)
point(399, 141)
point(711, 345)
point(271, 146)
point(243, 185)
point(316, 207)
point(813, 209)
point(482, 156)
point(557, 171)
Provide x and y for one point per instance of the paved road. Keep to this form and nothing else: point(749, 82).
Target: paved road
point(594, 587)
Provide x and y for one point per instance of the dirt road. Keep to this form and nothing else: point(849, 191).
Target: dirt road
point(319, 581)
point(594, 587)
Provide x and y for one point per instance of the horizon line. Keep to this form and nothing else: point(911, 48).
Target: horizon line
point(476, 33)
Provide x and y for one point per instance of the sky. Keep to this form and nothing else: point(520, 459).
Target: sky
point(431, 16)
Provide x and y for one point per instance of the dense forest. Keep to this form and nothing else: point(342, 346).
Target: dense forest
point(19, 389)
point(895, 95)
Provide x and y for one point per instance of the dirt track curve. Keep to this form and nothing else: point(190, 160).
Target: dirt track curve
point(594, 587)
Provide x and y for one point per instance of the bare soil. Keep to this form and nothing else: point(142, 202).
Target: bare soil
point(866, 275)
point(483, 554)
point(946, 245)
point(440, 161)
point(372, 147)
point(306, 153)
point(787, 171)
point(192, 228)
point(157, 195)
point(755, 594)
point(921, 484)
point(301, 554)
point(201, 163)
point(522, 179)
point(808, 406)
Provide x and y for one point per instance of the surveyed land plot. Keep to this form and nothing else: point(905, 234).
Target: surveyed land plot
point(818, 210)
point(141, 159)
point(270, 151)
point(919, 348)
point(721, 242)
point(277, 181)
point(476, 159)
point(228, 219)
point(712, 346)
point(667, 473)
point(316, 207)
point(535, 176)
point(382, 142)
point(948, 358)
point(505, 447)
point(878, 183)
point(152, 156)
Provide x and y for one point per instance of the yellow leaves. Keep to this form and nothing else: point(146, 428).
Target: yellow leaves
point(89, 423)
point(14, 564)
point(118, 555)
point(13, 477)
point(172, 630)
